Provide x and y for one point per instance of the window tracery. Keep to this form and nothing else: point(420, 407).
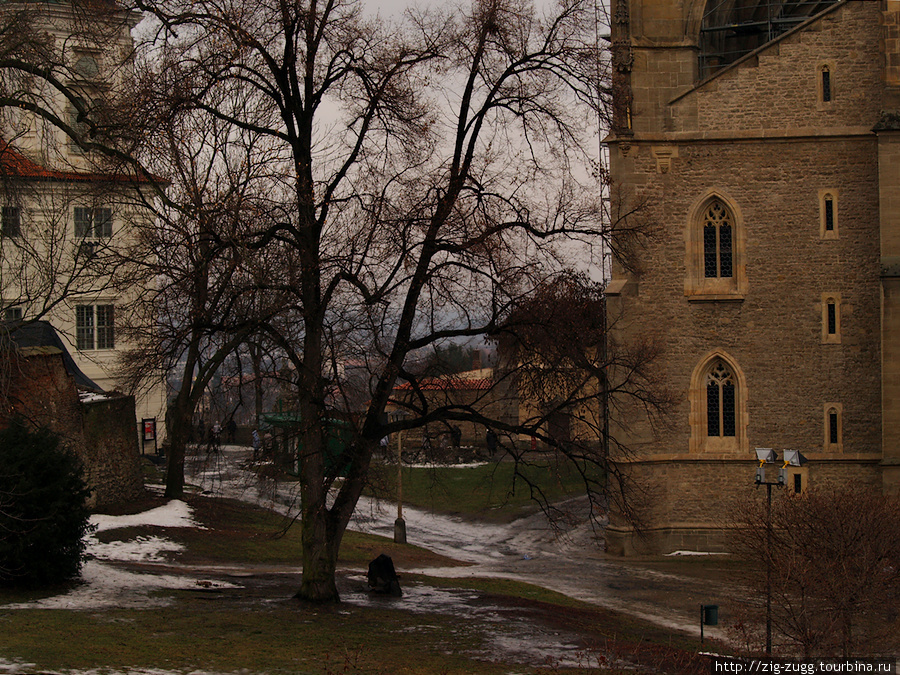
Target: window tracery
point(720, 402)
point(717, 238)
point(719, 416)
point(715, 250)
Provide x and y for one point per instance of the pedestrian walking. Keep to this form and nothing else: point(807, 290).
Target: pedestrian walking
point(256, 443)
point(490, 439)
point(456, 436)
point(217, 436)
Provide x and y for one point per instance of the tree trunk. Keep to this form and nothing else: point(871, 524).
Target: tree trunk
point(321, 539)
point(182, 411)
point(320, 551)
point(256, 361)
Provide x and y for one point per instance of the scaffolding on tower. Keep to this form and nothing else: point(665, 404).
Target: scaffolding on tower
point(733, 28)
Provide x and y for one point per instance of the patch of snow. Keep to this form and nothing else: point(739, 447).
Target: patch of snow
point(676, 553)
point(140, 549)
point(106, 586)
point(174, 514)
point(15, 667)
point(92, 396)
point(20, 668)
point(439, 465)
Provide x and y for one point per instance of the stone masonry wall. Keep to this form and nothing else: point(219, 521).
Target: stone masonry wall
point(759, 136)
point(763, 94)
point(101, 434)
point(41, 391)
point(693, 506)
point(775, 332)
point(111, 453)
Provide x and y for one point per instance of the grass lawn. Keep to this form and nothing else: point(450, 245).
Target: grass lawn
point(490, 492)
point(257, 627)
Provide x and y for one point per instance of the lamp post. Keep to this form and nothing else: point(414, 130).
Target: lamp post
point(769, 456)
point(399, 523)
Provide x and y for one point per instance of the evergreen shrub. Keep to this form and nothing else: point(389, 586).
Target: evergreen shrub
point(43, 508)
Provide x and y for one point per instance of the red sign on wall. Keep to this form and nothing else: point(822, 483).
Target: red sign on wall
point(149, 429)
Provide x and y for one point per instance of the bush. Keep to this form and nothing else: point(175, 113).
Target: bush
point(834, 553)
point(43, 511)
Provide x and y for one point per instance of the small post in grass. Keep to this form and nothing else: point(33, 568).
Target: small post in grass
point(709, 616)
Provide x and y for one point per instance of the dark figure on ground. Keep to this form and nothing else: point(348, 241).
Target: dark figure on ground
point(383, 578)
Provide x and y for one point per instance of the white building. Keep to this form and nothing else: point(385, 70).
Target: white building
point(67, 217)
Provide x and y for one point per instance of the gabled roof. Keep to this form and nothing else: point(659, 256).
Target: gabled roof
point(39, 337)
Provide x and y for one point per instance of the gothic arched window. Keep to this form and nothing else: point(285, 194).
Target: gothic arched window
point(721, 408)
point(719, 415)
point(715, 250)
point(717, 242)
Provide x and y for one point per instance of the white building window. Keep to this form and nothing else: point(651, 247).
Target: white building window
point(93, 223)
point(94, 327)
point(10, 222)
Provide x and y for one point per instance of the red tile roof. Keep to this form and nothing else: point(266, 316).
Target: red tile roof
point(448, 384)
point(16, 165)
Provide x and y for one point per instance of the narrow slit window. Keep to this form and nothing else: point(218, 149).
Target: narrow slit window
point(829, 213)
point(833, 427)
point(798, 483)
point(826, 84)
point(832, 318)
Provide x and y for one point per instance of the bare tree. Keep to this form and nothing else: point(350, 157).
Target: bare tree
point(834, 557)
point(421, 182)
point(200, 282)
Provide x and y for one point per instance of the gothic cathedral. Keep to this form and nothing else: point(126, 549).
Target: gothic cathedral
point(760, 142)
